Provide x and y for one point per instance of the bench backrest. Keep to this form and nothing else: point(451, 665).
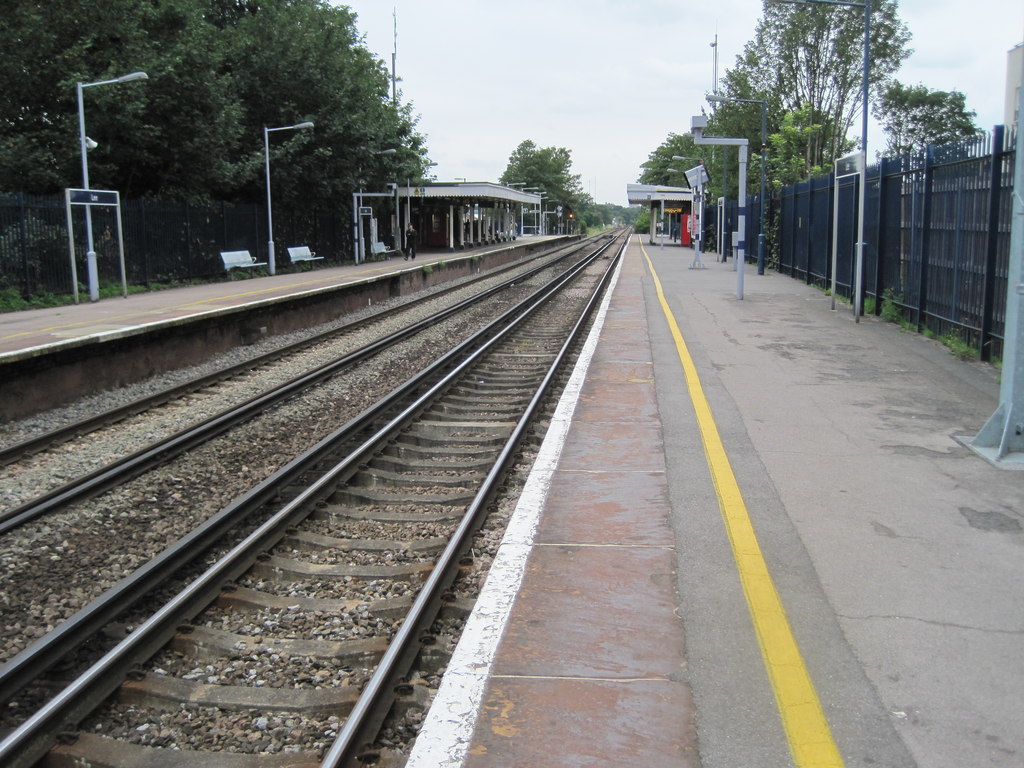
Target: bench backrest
point(300, 252)
point(236, 258)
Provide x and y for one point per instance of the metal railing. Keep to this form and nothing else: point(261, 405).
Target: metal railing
point(937, 236)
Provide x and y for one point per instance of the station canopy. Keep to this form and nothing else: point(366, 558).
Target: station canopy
point(647, 194)
point(475, 190)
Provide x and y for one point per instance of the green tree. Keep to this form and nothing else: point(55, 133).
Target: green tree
point(811, 57)
point(219, 70)
point(792, 147)
point(914, 116)
point(550, 170)
point(660, 168)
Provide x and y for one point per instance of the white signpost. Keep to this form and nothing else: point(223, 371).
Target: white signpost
point(91, 198)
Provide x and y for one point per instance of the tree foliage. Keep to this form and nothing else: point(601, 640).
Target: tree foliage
point(790, 149)
point(549, 169)
point(810, 57)
point(219, 70)
point(914, 116)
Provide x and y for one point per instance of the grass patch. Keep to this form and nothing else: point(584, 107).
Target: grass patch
point(428, 269)
point(959, 348)
point(891, 311)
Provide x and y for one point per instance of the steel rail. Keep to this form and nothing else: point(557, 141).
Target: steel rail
point(163, 450)
point(30, 740)
point(38, 443)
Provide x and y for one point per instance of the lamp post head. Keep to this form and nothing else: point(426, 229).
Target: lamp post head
point(697, 125)
point(132, 76)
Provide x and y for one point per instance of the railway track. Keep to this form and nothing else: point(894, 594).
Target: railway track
point(322, 582)
point(259, 370)
point(213, 491)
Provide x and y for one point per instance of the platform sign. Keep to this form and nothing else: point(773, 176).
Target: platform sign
point(849, 164)
point(845, 167)
point(91, 198)
point(365, 210)
point(697, 176)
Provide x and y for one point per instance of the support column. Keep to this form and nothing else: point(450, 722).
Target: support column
point(1001, 440)
point(451, 228)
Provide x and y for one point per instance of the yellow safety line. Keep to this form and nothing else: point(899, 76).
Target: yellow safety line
point(810, 738)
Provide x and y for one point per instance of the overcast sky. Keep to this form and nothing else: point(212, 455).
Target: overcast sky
point(610, 80)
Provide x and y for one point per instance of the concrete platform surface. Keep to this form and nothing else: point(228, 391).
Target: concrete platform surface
point(618, 628)
point(142, 312)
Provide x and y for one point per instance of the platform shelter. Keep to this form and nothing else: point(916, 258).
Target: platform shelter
point(671, 210)
point(457, 215)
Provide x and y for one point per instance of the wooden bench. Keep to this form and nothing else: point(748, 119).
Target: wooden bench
point(379, 250)
point(234, 259)
point(302, 253)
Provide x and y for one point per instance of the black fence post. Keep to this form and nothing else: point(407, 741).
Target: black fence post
point(991, 241)
point(926, 226)
point(144, 239)
point(880, 237)
point(189, 267)
point(26, 287)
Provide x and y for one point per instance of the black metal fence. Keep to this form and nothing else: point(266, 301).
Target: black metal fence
point(937, 236)
point(163, 241)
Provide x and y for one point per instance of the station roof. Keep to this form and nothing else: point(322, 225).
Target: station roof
point(639, 194)
point(473, 189)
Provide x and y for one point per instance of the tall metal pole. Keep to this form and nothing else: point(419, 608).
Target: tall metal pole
point(1001, 440)
point(764, 194)
point(271, 264)
point(90, 252)
point(697, 125)
point(764, 147)
point(859, 277)
point(90, 256)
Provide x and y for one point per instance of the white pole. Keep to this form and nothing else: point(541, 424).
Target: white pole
point(741, 254)
point(90, 253)
point(270, 217)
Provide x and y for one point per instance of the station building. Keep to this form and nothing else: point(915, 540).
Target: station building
point(452, 215)
point(671, 210)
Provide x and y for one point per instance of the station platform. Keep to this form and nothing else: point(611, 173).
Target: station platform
point(54, 356)
point(41, 331)
point(750, 539)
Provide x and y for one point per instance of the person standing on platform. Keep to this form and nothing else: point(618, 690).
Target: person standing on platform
point(410, 242)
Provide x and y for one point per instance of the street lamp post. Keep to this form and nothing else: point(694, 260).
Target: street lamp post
point(764, 147)
point(866, 7)
point(271, 266)
point(697, 125)
point(84, 144)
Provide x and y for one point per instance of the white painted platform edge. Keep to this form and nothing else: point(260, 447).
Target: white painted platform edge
point(448, 728)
